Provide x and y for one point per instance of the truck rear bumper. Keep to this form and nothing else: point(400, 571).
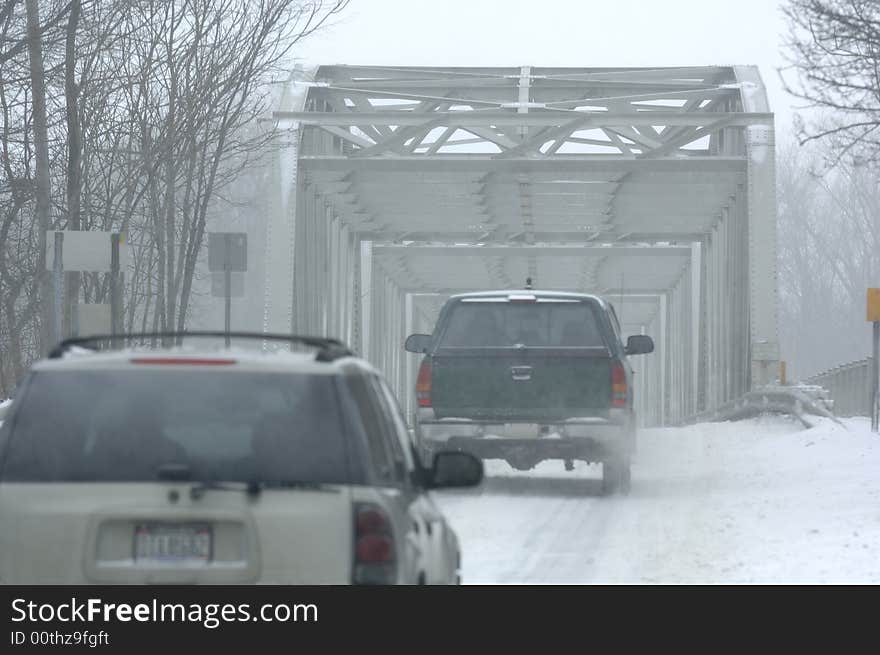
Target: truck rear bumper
point(531, 450)
point(530, 443)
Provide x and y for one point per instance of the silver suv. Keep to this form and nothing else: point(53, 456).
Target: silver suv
point(217, 465)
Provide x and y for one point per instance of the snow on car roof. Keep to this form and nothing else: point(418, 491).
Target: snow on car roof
point(252, 359)
point(527, 292)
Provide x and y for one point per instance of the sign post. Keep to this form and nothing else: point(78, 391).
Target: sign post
point(58, 284)
point(874, 317)
point(227, 252)
point(227, 282)
point(114, 284)
point(86, 251)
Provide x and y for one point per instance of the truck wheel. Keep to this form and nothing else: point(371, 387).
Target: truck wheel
point(427, 456)
point(609, 478)
point(625, 477)
point(616, 477)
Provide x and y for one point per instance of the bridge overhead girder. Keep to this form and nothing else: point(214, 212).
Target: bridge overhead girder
point(400, 186)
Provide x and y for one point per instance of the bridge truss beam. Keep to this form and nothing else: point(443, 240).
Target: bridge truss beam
point(651, 185)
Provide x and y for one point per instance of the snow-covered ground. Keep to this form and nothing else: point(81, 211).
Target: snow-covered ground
point(760, 501)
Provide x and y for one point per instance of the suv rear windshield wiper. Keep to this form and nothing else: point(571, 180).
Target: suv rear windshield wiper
point(198, 489)
point(254, 487)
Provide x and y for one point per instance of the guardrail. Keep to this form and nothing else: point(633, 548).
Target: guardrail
point(800, 401)
point(849, 386)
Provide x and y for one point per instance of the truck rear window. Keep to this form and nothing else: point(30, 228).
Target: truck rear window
point(122, 426)
point(505, 324)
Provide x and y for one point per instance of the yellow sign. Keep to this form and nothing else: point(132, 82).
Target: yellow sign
point(874, 304)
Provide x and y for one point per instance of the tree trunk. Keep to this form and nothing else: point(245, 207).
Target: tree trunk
point(74, 157)
point(44, 189)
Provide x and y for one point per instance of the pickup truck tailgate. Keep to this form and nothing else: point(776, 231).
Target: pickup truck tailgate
point(521, 383)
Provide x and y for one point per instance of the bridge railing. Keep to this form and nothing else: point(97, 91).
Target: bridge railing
point(849, 386)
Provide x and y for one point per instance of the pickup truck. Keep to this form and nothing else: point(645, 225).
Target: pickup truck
point(526, 376)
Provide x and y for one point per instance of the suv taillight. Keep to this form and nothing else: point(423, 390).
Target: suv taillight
point(374, 552)
point(423, 384)
point(618, 385)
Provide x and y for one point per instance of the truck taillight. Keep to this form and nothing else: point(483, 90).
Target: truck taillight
point(374, 552)
point(618, 385)
point(423, 384)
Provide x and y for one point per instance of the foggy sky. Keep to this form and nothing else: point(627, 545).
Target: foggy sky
point(573, 33)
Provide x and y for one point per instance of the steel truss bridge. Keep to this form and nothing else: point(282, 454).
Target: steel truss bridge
point(652, 186)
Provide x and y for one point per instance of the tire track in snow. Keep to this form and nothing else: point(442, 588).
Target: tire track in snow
point(528, 528)
point(547, 526)
point(760, 501)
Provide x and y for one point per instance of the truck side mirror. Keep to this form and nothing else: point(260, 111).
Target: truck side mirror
point(418, 343)
point(454, 469)
point(639, 344)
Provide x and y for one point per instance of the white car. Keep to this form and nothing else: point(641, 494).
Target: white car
point(219, 466)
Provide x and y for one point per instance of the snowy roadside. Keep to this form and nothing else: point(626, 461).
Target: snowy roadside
point(759, 501)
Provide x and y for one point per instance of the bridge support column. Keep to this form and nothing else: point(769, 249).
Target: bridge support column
point(713, 319)
point(657, 364)
point(762, 256)
point(677, 348)
point(663, 357)
point(702, 266)
point(366, 299)
point(697, 345)
point(278, 297)
point(300, 264)
point(761, 207)
point(301, 307)
point(357, 292)
point(740, 296)
point(727, 313)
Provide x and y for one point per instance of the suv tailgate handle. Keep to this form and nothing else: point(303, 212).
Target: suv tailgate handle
point(521, 372)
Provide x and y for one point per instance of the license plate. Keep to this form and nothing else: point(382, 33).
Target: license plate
point(172, 542)
point(521, 431)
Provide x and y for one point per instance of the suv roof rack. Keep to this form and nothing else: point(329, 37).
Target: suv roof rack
point(329, 349)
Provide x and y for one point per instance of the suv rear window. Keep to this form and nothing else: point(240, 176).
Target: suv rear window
point(122, 426)
point(504, 324)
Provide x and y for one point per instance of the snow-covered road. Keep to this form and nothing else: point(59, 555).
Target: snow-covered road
point(761, 501)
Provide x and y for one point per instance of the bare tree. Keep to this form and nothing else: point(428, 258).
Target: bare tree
point(833, 49)
point(28, 133)
point(74, 151)
point(829, 252)
point(202, 71)
point(151, 115)
point(41, 145)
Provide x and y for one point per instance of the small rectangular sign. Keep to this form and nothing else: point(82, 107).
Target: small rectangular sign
point(237, 251)
point(92, 319)
point(85, 250)
point(874, 304)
